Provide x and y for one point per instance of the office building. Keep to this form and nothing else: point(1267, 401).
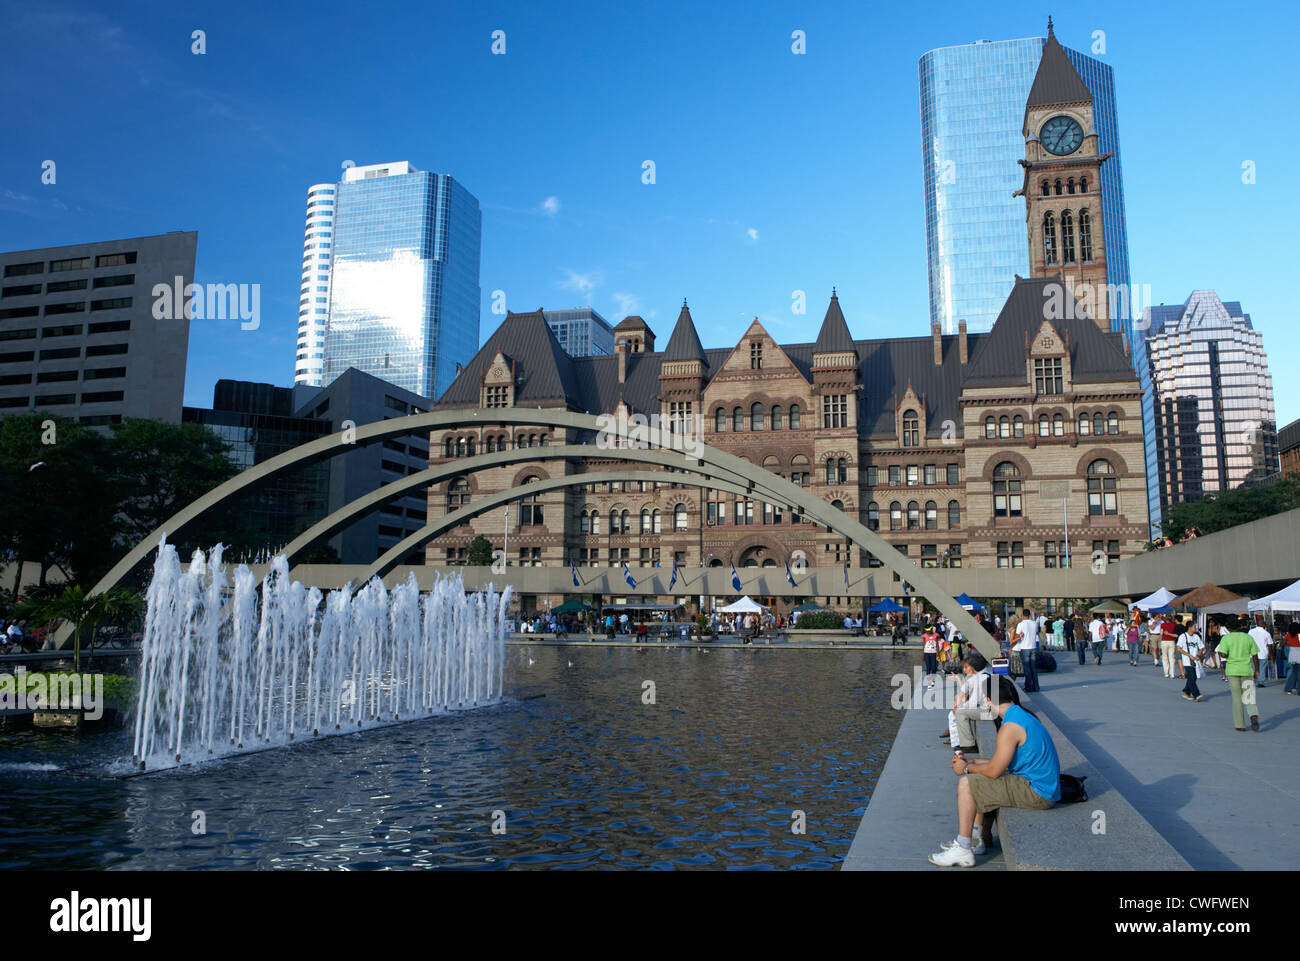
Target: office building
point(973, 108)
point(83, 335)
point(1215, 425)
point(581, 331)
point(403, 287)
point(314, 297)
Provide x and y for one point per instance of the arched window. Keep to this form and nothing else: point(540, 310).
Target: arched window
point(457, 494)
point(645, 520)
point(720, 421)
point(1047, 189)
point(1067, 237)
point(931, 516)
point(1058, 425)
point(1069, 186)
point(1006, 490)
point(544, 440)
point(842, 470)
point(794, 416)
point(586, 523)
point(595, 521)
point(830, 470)
point(1058, 188)
point(679, 517)
point(613, 523)
point(911, 429)
point(1085, 425)
point(1044, 429)
point(1049, 234)
point(1018, 426)
point(776, 418)
point(913, 516)
point(1103, 498)
point(990, 427)
point(469, 446)
point(1098, 423)
point(491, 443)
point(530, 509)
point(737, 420)
point(449, 449)
point(954, 516)
point(460, 446)
point(1004, 426)
point(1085, 236)
point(627, 527)
point(654, 520)
point(1112, 423)
point(873, 516)
point(756, 417)
point(1083, 185)
point(895, 516)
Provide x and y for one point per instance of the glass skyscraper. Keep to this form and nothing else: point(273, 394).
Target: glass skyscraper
point(972, 110)
point(1215, 426)
point(403, 287)
point(581, 331)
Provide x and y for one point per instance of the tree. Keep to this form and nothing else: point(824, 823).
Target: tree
point(1215, 512)
point(73, 606)
point(161, 468)
point(480, 552)
point(57, 501)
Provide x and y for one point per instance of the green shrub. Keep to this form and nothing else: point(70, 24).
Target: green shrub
point(820, 621)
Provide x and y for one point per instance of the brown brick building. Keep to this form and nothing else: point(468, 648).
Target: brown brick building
point(964, 450)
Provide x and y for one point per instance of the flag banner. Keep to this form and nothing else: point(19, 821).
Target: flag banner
point(574, 570)
point(673, 583)
point(788, 576)
point(627, 576)
point(735, 578)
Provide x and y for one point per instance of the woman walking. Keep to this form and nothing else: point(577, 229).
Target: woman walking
point(1134, 641)
point(1293, 659)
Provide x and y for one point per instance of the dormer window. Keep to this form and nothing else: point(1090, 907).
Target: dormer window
point(755, 355)
point(911, 429)
point(1047, 376)
point(496, 396)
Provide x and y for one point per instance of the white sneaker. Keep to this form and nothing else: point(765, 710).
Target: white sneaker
point(954, 856)
point(976, 845)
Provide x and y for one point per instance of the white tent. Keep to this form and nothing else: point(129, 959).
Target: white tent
point(1287, 599)
point(743, 606)
point(1160, 598)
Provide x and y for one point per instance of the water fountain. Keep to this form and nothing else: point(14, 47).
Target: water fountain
point(226, 669)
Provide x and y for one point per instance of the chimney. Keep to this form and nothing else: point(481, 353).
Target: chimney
point(961, 340)
point(938, 345)
point(621, 349)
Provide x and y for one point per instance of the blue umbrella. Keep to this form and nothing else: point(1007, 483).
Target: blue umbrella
point(965, 600)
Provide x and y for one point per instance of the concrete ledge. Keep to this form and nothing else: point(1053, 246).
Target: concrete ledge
point(1103, 833)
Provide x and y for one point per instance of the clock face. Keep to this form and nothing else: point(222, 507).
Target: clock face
point(1061, 135)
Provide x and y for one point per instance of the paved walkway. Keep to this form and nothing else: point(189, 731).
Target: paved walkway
point(1223, 799)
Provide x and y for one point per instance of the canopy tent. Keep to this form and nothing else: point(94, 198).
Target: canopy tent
point(1109, 607)
point(805, 607)
point(969, 603)
point(1157, 602)
point(886, 606)
point(1204, 596)
point(746, 605)
point(574, 606)
point(641, 607)
point(1287, 599)
point(1240, 606)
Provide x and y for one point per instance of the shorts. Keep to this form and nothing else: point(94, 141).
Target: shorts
point(1007, 791)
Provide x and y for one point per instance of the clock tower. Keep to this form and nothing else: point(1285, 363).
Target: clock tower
point(1062, 186)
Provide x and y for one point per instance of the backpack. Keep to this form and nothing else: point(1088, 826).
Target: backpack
point(1045, 661)
point(1072, 789)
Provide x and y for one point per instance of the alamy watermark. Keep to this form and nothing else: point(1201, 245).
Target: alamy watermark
point(21, 691)
point(676, 432)
point(209, 302)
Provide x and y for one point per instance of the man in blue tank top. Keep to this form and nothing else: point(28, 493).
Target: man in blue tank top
point(1024, 772)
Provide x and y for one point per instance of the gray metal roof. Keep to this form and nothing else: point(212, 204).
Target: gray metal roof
point(1056, 80)
point(684, 344)
point(1095, 355)
point(834, 335)
point(544, 374)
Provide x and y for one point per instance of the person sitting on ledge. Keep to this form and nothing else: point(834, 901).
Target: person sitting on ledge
point(1024, 772)
point(967, 707)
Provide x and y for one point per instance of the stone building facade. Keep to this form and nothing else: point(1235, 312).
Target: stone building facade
point(1020, 447)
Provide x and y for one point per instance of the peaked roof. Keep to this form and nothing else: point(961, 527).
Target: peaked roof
point(544, 371)
point(834, 335)
point(1056, 80)
point(999, 360)
point(685, 344)
point(631, 322)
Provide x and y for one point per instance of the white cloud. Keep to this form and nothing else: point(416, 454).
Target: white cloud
point(583, 283)
point(627, 303)
point(753, 233)
point(551, 206)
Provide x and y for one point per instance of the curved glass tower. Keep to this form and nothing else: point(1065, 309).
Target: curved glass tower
point(314, 298)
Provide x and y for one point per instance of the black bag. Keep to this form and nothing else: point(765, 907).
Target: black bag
point(1072, 789)
point(1045, 661)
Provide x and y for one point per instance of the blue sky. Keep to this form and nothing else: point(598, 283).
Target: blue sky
point(775, 172)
